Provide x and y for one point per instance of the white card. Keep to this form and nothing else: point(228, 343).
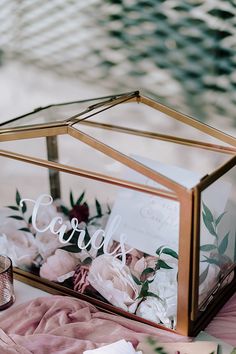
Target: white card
point(150, 221)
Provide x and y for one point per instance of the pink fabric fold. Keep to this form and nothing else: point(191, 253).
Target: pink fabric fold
point(64, 325)
point(223, 326)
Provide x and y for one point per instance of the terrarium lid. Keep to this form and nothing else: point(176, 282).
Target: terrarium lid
point(69, 118)
point(65, 112)
point(69, 113)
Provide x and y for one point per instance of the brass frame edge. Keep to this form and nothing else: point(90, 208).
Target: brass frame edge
point(203, 127)
point(162, 137)
point(88, 174)
point(184, 263)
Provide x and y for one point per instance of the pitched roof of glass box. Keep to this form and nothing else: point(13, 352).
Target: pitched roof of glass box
point(83, 119)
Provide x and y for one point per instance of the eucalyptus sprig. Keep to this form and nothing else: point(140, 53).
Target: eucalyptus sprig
point(219, 247)
point(212, 224)
point(148, 274)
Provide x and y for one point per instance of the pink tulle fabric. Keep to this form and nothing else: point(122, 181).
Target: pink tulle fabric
point(64, 325)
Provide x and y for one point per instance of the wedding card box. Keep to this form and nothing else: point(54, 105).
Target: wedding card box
point(122, 202)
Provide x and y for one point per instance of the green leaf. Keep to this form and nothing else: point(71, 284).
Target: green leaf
point(144, 289)
point(108, 209)
point(100, 250)
point(224, 244)
point(211, 261)
point(71, 248)
point(24, 229)
point(12, 207)
point(149, 293)
point(220, 217)
point(159, 350)
point(17, 217)
point(87, 239)
point(138, 282)
point(79, 200)
point(209, 225)
point(207, 247)
point(207, 212)
point(98, 208)
point(18, 197)
point(72, 203)
point(170, 252)
point(203, 276)
point(65, 210)
point(151, 341)
point(23, 207)
point(163, 264)
point(30, 220)
point(87, 260)
point(158, 251)
point(74, 239)
point(147, 271)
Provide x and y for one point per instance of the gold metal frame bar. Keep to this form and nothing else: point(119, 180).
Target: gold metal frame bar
point(164, 137)
point(106, 105)
point(184, 264)
point(190, 121)
point(89, 174)
point(30, 132)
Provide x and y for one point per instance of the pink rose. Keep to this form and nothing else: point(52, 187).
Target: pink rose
point(59, 267)
point(143, 263)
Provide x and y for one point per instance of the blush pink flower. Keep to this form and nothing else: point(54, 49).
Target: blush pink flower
point(59, 266)
point(114, 282)
point(143, 263)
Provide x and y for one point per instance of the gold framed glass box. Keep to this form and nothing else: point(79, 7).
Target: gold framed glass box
point(125, 203)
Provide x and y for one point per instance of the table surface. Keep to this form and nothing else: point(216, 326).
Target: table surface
point(24, 293)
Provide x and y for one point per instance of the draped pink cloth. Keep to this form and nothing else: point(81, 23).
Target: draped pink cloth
point(64, 325)
point(223, 326)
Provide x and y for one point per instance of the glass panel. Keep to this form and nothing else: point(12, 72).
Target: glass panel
point(113, 244)
point(142, 117)
point(31, 147)
point(73, 153)
point(187, 164)
point(55, 113)
point(217, 236)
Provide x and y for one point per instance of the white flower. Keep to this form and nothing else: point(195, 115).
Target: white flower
point(47, 243)
point(154, 310)
point(114, 282)
point(165, 286)
point(19, 246)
